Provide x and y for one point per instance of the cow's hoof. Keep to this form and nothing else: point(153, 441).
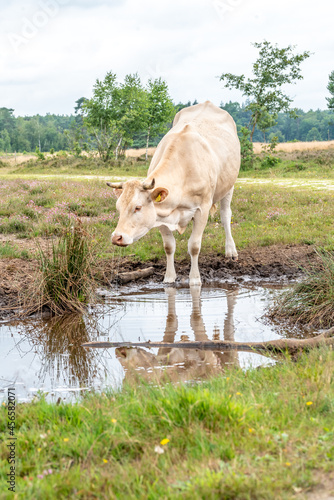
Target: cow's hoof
point(230, 257)
point(169, 280)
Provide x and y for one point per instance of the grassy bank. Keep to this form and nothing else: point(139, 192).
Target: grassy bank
point(309, 164)
point(259, 434)
point(297, 164)
point(311, 300)
point(263, 215)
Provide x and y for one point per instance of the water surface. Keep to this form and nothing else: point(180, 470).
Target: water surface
point(47, 356)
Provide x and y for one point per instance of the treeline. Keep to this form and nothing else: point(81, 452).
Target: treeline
point(30, 132)
point(308, 126)
point(60, 132)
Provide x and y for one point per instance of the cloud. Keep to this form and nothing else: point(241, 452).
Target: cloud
point(63, 46)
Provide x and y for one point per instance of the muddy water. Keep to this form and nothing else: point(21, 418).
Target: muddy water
point(46, 356)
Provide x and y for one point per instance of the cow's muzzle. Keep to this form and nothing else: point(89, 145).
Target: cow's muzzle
point(119, 240)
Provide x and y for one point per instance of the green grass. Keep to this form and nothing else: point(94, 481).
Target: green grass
point(263, 215)
point(11, 251)
point(260, 434)
point(71, 165)
point(311, 300)
point(299, 165)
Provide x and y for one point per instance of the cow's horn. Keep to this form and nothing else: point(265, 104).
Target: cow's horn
point(118, 185)
point(148, 185)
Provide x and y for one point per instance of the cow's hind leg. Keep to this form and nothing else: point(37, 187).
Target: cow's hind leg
point(169, 246)
point(225, 216)
point(194, 244)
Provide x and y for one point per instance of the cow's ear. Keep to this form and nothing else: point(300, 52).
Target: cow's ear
point(159, 195)
point(117, 192)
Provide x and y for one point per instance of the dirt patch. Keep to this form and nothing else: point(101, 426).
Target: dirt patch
point(324, 489)
point(272, 263)
point(267, 263)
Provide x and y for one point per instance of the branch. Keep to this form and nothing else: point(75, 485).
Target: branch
point(291, 346)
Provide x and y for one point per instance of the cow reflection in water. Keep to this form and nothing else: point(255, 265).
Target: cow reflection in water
point(175, 364)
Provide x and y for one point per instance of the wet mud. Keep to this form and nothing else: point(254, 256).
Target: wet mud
point(273, 263)
point(276, 263)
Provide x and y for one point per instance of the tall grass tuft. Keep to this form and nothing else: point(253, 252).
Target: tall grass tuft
point(312, 300)
point(66, 282)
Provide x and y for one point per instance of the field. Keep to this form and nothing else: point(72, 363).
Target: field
point(256, 434)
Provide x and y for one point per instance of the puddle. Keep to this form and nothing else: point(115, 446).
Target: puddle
point(47, 355)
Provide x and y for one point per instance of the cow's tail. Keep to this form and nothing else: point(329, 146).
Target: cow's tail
point(213, 209)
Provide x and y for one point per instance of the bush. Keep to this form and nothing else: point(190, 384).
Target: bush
point(312, 300)
point(39, 154)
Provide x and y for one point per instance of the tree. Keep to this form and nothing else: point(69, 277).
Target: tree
point(132, 110)
point(246, 147)
point(101, 114)
point(313, 135)
point(266, 121)
point(159, 109)
point(115, 113)
point(274, 68)
point(330, 87)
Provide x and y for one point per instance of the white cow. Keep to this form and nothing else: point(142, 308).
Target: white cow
point(195, 165)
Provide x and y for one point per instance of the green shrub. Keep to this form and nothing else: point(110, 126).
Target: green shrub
point(39, 154)
point(312, 300)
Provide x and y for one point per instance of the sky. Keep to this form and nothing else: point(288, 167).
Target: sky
point(52, 51)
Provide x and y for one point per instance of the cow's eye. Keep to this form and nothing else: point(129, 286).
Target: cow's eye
point(137, 209)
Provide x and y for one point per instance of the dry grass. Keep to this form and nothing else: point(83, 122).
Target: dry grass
point(286, 147)
point(65, 281)
point(291, 147)
point(12, 159)
point(135, 153)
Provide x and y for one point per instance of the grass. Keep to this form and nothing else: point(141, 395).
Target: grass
point(297, 164)
point(310, 164)
point(263, 215)
point(65, 283)
point(260, 434)
point(11, 251)
point(72, 165)
point(310, 301)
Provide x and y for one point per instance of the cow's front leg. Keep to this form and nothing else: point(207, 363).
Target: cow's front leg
point(169, 246)
point(194, 244)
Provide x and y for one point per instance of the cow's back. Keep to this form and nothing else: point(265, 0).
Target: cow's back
point(207, 118)
point(206, 136)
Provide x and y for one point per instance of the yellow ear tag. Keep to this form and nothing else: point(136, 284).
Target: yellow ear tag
point(158, 198)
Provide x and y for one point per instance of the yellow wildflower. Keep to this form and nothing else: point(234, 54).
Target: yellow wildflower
point(164, 441)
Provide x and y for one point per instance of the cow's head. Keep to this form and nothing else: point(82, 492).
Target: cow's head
point(137, 213)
